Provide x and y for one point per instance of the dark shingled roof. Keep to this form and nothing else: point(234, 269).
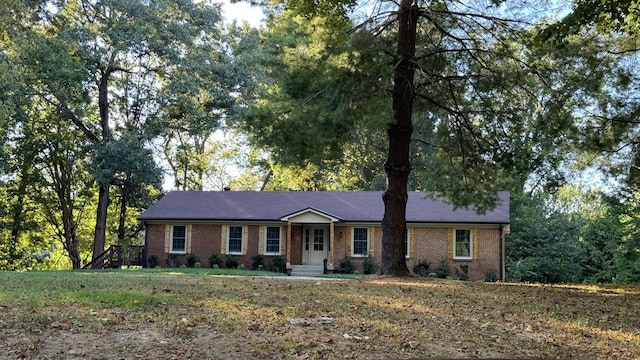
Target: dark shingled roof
point(356, 206)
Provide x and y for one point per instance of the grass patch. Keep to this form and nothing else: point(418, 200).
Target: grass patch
point(200, 313)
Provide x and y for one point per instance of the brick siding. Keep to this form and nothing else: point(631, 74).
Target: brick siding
point(428, 243)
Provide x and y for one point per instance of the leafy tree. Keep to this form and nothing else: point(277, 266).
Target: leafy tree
point(472, 101)
point(543, 246)
point(627, 261)
point(102, 64)
point(196, 103)
point(130, 168)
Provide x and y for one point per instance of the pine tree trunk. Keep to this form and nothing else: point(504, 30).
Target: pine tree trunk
point(398, 164)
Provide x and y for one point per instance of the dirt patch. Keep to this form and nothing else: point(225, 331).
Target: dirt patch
point(218, 318)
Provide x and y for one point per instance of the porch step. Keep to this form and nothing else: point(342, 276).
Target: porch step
point(307, 270)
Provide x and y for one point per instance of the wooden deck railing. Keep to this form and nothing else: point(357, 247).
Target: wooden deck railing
point(116, 255)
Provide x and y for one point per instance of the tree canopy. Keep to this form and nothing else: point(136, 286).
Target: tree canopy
point(455, 98)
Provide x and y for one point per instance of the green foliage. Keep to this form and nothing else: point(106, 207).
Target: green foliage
point(215, 259)
point(462, 272)
point(231, 262)
point(173, 261)
point(191, 259)
point(369, 265)
point(442, 269)
point(491, 276)
point(277, 264)
point(605, 16)
point(574, 236)
point(99, 81)
point(345, 266)
point(421, 268)
point(257, 261)
point(310, 113)
point(152, 261)
point(542, 246)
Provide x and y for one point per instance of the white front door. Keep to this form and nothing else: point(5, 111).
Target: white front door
point(316, 244)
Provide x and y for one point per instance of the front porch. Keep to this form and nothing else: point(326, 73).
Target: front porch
point(310, 242)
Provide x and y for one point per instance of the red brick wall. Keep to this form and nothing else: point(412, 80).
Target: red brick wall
point(296, 245)
point(155, 243)
point(432, 244)
point(205, 240)
point(339, 244)
point(429, 244)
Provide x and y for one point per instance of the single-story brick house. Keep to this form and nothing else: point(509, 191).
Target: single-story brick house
point(305, 228)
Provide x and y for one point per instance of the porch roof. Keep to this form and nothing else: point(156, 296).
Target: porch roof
point(356, 206)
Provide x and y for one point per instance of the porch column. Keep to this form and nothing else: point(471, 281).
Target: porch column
point(288, 244)
point(332, 234)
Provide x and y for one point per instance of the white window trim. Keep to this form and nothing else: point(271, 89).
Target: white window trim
point(266, 231)
point(407, 251)
point(229, 252)
point(353, 234)
point(455, 243)
point(171, 251)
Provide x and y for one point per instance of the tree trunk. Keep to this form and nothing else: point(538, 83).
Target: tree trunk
point(122, 218)
point(398, 164)
point(100, 233)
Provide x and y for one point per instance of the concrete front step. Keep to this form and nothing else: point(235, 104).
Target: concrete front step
point(306, 270)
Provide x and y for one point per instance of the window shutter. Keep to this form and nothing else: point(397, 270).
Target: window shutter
point(451, 235)
point(474, 243)
point(412, 247)
point(245, 239)
point(188, 239)
point(347, 241)
point(372, 241)
point(223, 239)
point(167, 238)
point(261, 237)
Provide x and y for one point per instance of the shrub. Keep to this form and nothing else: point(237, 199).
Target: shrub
point(256, 261)
point(277, 264)
point(231, 262)
point(192, 259)
point(183, 266)
point(214, 259)
point(241, 266)
point(215, 266)
point(368, 265)
point(491, 275)
point(153, 260)
point(463, 272)
point(421, 268)
point(197, 265)
point(443, 270)
point(173, 261)
point(345, 266)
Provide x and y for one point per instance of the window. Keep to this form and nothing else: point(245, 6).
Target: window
point(235, 240)
point(463, 244)
point(318, 240)
point(273, 240)
point(360, 241)
point(178, 239)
